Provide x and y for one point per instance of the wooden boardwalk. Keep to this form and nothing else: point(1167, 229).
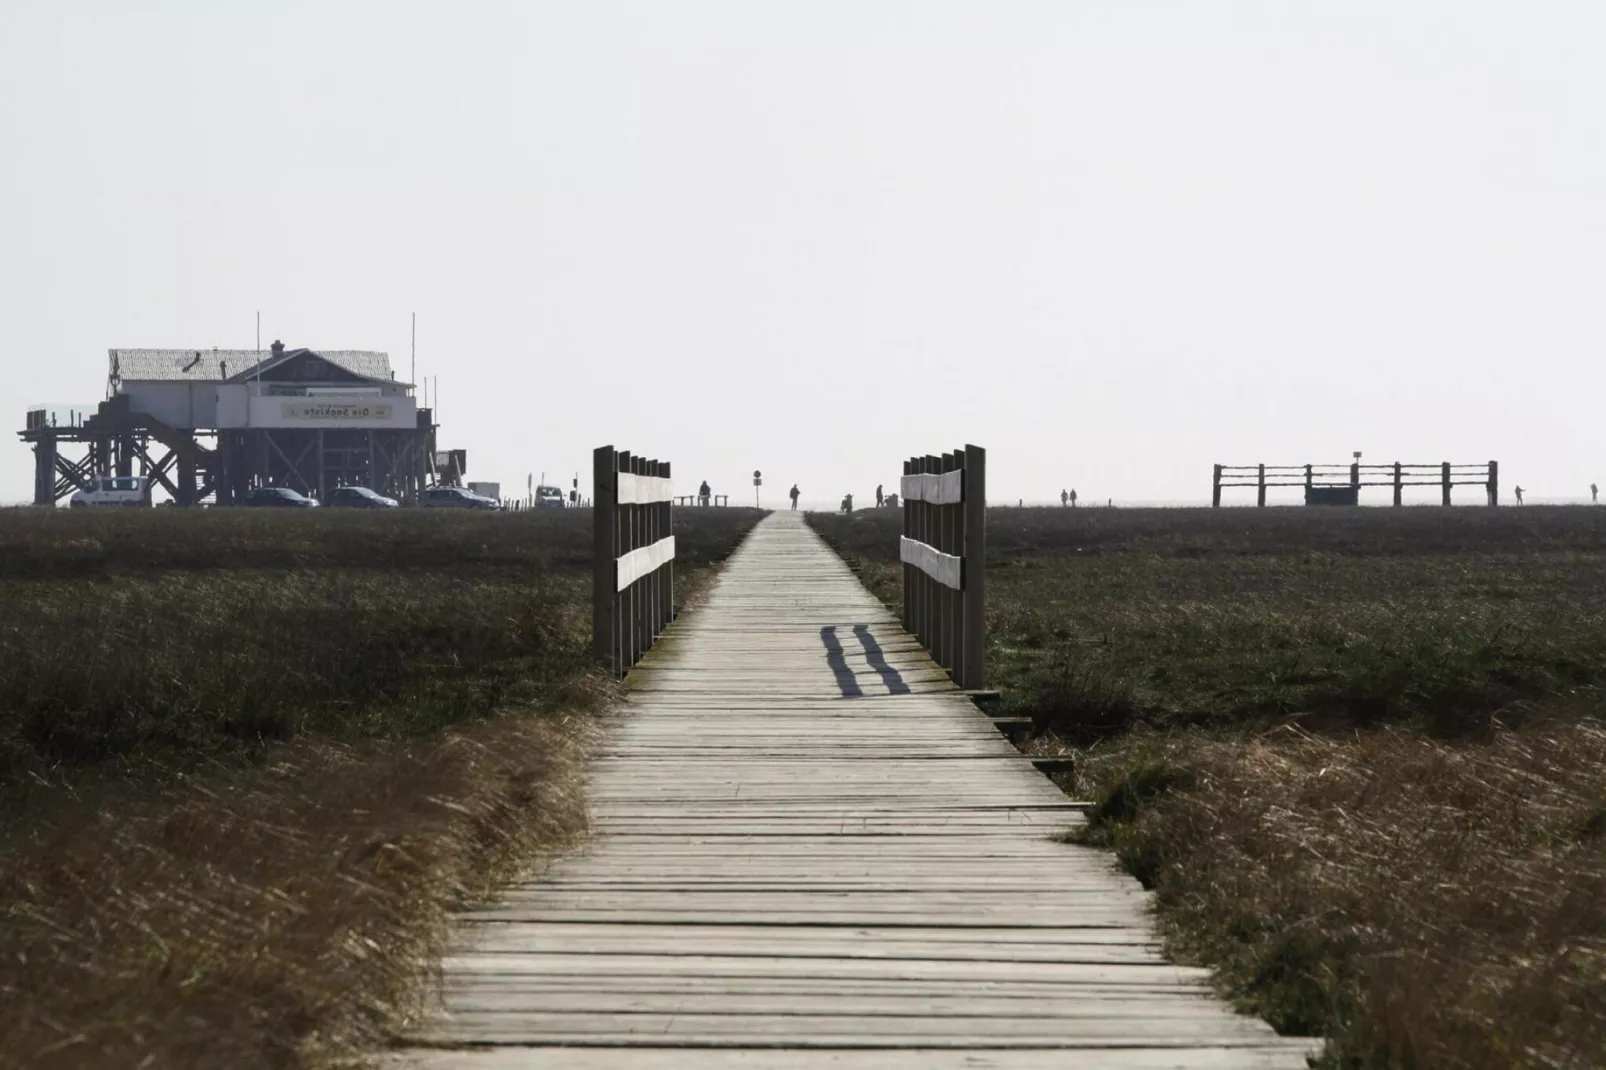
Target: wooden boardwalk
point(811, 851)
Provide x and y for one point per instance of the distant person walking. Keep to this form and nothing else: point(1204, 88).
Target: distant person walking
point(1073, 497)
point(793, 495)
point(704, 492)
point(879, 499)
point(1594, 494)
point(1064, 497)
point(1519, 495)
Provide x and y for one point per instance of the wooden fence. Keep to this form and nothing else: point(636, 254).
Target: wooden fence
point(944, 550)
point(1341, 484)
point(633, 579)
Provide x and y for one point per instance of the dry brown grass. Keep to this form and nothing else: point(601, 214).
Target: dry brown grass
point(1426, 904)
point(269, 918)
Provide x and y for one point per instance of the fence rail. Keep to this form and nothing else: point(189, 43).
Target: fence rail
point(944, 550)
point(1319, 478)
point(633, 577)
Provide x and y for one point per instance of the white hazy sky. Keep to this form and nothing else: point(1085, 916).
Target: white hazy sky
point(1112, 241)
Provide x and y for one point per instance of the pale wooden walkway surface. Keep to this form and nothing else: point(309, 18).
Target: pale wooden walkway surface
point(786, 877)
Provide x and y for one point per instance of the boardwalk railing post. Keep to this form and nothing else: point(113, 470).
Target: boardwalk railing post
point(1399, 485)
point(908, 569)
point(973, 568)
point(1215, 489)
point(1494, 482)
point(1445, 477)
point(633, 578)
point(1262, 485)
point(605, 554)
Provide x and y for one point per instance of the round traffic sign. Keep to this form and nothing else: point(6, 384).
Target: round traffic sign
point(757, 474)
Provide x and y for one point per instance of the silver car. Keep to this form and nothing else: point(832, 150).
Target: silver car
point(454, 498)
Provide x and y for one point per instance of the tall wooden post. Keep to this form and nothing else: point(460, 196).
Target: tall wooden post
point(1494, 483)
point(1444, 470)
point(973, 572)
point(908, 533)
point(604, 553)
point(1310, 481)
point(667, 528)
point(1399, 485)
point(1355, 475)
point(1261, 496)
point(1215, 489)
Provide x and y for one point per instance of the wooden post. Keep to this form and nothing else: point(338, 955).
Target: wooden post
point(1261, 496)
point(1494, 483)
point(1355, 476)
point(603, 555)
point(1215, 489)
point(668, 569)
point(1399, 485)
point(1445, 471)
point(973, 571)
point(1310, 481)
point(956, 545)
point(908, 578)
point(933, 588)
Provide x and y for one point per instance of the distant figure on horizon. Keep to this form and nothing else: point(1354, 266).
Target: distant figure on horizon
point(1519, 495)
point(1110, 504)
point(704, 493)
point(1594, 494)
point(879, 500)
point(847, 503)
point(793, 494)
point(1064, 498)
point(1073, 497)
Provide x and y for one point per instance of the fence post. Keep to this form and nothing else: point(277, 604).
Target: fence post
point(622, 605)
point(1444, 470)
point(1310, 481)
point(669, 569)
point(604, 552)
point(1262, 484)
point(1494, 482)
point(1398, 485)
point(908, 533)
point(973, 572)
point(1215, 489)
point(1355, 475)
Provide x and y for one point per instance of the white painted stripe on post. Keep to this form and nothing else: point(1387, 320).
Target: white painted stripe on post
point(946, 488)
point(946, 569)
point(643, 490)
point(645, 561)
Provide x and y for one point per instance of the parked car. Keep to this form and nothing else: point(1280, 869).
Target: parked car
point(548, 497)
point(358, 498)
point(454, 498)
point(277, 498)
point(113, 490)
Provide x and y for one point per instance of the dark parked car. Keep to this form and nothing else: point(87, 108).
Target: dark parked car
point(454, 498)
point(277, 498)
point(358, 498)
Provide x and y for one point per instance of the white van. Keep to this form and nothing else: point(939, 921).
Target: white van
point(113, 490)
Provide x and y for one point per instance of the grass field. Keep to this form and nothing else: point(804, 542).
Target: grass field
point(1358, 754)
point(248, 760)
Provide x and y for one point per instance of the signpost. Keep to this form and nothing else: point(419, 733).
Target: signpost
point(758, 481)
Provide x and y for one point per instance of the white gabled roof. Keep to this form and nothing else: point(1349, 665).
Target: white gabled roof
point(181, 365)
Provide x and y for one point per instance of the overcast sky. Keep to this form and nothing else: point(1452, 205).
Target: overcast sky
point(1113, 242)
